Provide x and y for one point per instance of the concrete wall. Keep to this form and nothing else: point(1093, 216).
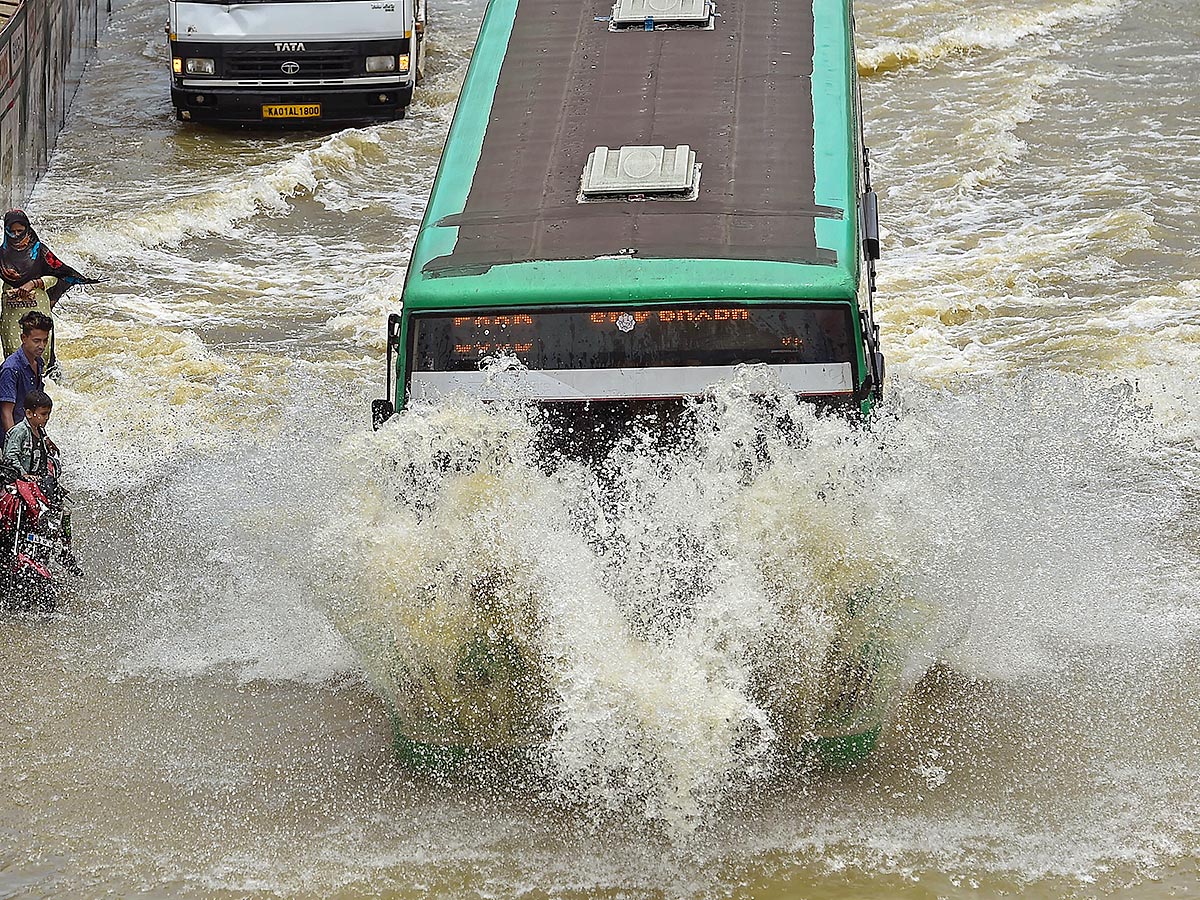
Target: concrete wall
point(44, 46)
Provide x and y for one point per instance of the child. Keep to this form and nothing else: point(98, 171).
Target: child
point(31, 453)
point(26, 446)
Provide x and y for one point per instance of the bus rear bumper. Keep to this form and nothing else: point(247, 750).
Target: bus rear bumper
point(642, 383)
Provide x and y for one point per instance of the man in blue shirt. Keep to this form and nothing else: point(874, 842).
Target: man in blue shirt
point(23, 370)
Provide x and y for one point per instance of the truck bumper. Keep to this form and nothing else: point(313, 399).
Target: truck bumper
point(245, 107)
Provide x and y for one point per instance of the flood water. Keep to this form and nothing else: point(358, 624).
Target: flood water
point(208, 716)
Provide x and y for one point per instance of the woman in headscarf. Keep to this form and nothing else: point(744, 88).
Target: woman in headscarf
point(34, 278)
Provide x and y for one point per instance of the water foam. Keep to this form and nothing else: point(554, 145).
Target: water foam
point(1004, 30)
point(669, 606)
point(220, 208)
point(648, 665)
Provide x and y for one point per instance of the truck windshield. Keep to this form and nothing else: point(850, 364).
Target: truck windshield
point(637, 337)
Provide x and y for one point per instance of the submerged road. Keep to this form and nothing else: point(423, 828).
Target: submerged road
point(206, 719)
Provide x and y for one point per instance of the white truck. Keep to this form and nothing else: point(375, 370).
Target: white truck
point(294, 61)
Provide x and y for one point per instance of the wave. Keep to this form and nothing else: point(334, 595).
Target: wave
point(262, 190)
point(1003, 32)
point(958, 304)
point(991, 139)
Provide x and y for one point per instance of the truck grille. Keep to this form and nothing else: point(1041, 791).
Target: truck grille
point(312, 65)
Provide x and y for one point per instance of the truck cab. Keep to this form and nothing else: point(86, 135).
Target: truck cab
point(299, 62)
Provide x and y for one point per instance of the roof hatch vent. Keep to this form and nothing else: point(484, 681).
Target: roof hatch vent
point(650, 14)
point(649, 171)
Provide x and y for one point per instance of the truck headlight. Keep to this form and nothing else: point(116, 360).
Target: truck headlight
point(177, 66)
point(403, 63)
point(198, 65)
point(381, 63)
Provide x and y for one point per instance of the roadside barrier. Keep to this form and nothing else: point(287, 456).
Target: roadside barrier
point(44, 47)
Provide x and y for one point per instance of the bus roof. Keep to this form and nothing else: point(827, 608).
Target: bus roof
point(775, 214)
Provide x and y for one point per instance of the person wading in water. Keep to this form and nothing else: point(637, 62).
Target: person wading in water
point(34, 279)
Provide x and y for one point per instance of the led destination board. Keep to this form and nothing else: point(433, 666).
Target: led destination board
point(691, 335)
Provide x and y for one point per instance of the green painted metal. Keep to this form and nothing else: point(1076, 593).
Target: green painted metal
point(846, 751)
point(621, 281)
point(832, 753)
point(415, 755)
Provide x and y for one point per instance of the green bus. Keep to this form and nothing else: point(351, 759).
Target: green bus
point(637, 197)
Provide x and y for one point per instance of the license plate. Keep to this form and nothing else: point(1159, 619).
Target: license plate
point(39, 540)
point(291, 111)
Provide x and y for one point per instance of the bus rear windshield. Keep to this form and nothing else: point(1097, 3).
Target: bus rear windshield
point(636, 337)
